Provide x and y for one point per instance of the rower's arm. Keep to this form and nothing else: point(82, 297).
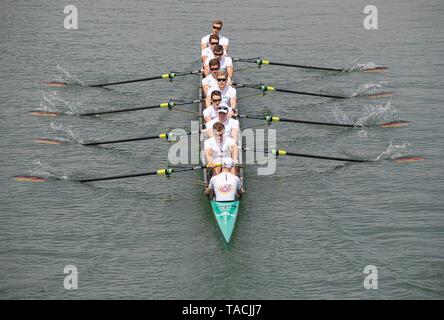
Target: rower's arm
point(206, 69)
point(230, 72)
point(226, 49)
point(233, 103)
point(205, 88)
point(234, 133)
point(208, 101)
point(209, 155)
point(210, 132)
point(234, 153)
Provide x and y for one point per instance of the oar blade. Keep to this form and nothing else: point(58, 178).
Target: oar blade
point(30, 179)
point(56, 84)
point(380, 95)
point(409, 159)
point(44, 113)
point(49, 141)
point(375, 69)
point(395, 124)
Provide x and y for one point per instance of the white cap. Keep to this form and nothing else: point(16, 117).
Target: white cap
point(228, 163)
point(223, 107)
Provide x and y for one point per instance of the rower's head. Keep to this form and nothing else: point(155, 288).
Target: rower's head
point(218, 129)
point(217, 26)
point(218, 51)
point(214, 40)
point(227, 164)
point(214, 65)
point(222, 79)
point(216, 98)
point(223, 110)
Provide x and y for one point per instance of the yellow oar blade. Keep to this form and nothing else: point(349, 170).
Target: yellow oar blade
point(29, 179)
point(409, 159)
point(44, 113)
point(381, 95)
point(48, 141)
point(55, 84)
point(395, 124)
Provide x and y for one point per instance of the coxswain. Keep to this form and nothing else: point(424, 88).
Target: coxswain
point(225, 185)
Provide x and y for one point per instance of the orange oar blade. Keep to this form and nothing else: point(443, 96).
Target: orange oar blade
point(409, 159)
point(44, 113)
point(375, 69)
point(48, 141)
point(55, 84)
point(395, 124)
point(29, 179)
point(380, 95)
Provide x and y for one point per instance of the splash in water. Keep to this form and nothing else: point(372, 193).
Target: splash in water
point(44, 170)
point(395, 151)
point(377, 113)
point(50, 101)
point(369, 88)
point(70, 135)
point(68, 77)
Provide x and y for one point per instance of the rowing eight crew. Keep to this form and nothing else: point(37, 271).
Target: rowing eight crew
point(222, 128)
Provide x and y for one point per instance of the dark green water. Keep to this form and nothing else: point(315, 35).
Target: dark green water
point(305, 232)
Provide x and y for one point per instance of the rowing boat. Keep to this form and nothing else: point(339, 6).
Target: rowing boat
point(225, 212)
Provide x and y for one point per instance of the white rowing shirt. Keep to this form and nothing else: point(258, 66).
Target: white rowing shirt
point(225, 62)
point(209, 80)
point(223, 41)
point(229, 124)
point(228, 93)
point(210, 111)
point(219, 150)
point(208, 53)
point(225, 186)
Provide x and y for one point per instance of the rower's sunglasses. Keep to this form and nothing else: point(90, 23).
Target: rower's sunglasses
point(217, 100)
point(214, 43)
point(217, 28)
point(222, 80)
point(213, 69)
point(223, 108)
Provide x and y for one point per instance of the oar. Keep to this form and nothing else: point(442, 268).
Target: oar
point(167, 136)
point(272, 118)
point(161, 172)
point(265, 88)
point(261, 62)
point(281, 152)
point(169, 105)
point(166, 105)
point(169, 76)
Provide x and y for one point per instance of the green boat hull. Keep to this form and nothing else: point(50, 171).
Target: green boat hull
point(225, 214)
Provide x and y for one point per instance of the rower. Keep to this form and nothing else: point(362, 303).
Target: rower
point(228, 92)
point(218, 147)
point(211, 79)
point(226, 63)
point(210, 112)
point(226, 186)
point(207, 53)
point(217, 27)
point(231, 125)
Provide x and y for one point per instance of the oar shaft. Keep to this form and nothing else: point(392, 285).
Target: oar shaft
point(304, 155)
point(117, 111)
point(120, 141)
point(310, 93)
point(120, 177)
point(317, 122)
point(304, 67)
point(125, 81)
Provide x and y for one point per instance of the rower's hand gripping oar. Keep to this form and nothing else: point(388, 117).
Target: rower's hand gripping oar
point(168, 76)
point(271, 118)
point(265, 88)
point(260, 62)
